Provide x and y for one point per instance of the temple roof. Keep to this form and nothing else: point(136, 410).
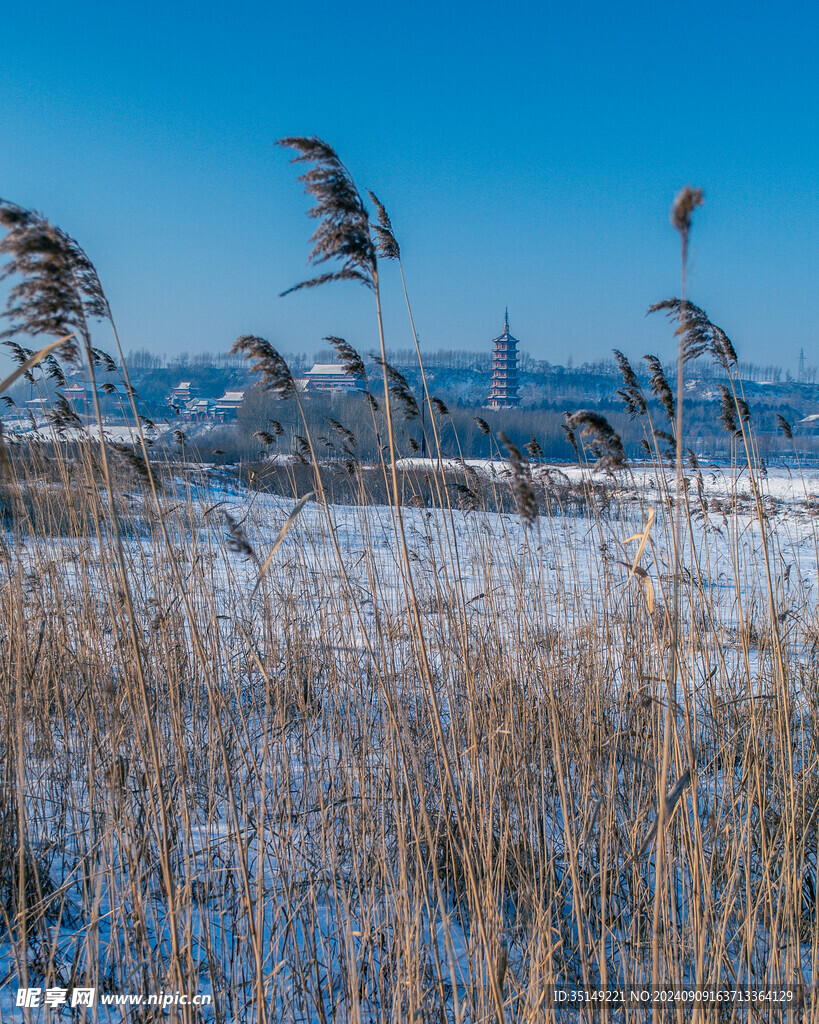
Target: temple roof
point(328, 369)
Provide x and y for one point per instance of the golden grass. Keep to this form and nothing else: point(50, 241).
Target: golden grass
point(275, 787)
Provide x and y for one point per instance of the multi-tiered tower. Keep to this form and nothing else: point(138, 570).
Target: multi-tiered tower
point(504, 391)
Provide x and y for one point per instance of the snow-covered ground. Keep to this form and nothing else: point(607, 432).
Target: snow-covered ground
point(341, 571)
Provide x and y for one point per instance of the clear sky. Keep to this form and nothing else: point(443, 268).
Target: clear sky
point(527, 153)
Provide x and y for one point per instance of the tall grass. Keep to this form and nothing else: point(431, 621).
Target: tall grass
point(429, 765)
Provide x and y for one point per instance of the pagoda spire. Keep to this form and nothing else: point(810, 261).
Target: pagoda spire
point(506, 321)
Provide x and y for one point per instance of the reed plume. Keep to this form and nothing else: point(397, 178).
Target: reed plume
point(534, 449)
point(400, 389)
point(660, 386)
point(728, 410)
point(697, 334)
point(346, 435)
point(604, 442)
point(237, 541)
point(685, 202)
point(467, 499)
point(386, 245)
point(135, 460)
point(483, 426)
point(670, 440)
point(303, 450)
point(62, 415)
point(20, 357)
point(343, 233)
point(631, 391)
point(350, 359)
point(54, 371)
point(275, 373)
point(59, 289)
point(522, 484)
point(571, 437)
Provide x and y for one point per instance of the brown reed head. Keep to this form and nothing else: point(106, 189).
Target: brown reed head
point(400, 389)
point(728, 410)
point(660, 386)
point(347, 436)
point(54, 371)
point(571, 437)
point(522, 484)
point(135, 460)
point(237, 541)
point(59, 290)
point(631, 391)
point(534, 449)
point(20, 356)
point(467, 499)
point(302, 452)
point(386, 245)
point(670, 452)
point(350, 359)
point(483, 426)
point(603, 441)
point(275, 373)
point(682, 209)
point(343, 234)
point(698, 335)
point(63, 416)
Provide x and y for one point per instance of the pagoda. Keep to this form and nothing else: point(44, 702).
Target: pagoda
point(504, 391)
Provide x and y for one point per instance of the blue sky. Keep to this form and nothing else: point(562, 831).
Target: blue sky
point(527, 153)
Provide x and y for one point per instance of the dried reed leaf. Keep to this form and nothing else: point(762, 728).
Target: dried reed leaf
point(282, 534)
point(36, 358)
point(635, 569)
point(643, 539)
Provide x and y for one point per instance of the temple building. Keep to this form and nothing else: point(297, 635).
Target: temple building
point(332, 377)
point(504, 391)
point(227, 406)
